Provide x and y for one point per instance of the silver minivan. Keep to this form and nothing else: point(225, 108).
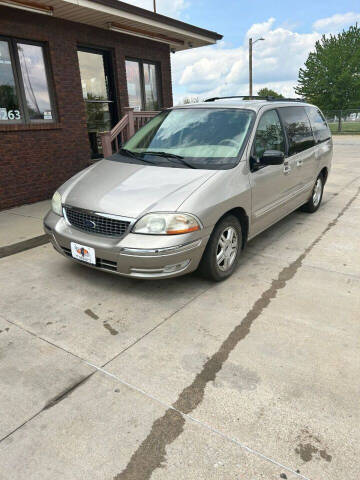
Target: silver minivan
point(192, 187)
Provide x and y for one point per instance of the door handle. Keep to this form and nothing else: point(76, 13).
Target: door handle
point(299, 163)
point(287, 168)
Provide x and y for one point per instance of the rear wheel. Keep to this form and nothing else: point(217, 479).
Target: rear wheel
point(223, 250)
point(316, 196)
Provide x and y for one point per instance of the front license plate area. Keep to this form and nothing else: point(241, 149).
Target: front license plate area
point(83, 253)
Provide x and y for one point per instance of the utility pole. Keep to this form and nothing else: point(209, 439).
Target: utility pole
point(251, 44)
point(250, 67)
point(155, 6)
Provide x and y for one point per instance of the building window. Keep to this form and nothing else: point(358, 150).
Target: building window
point(24, 86)
point(143, 84)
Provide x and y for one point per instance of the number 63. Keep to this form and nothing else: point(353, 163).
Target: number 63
point(14, 115)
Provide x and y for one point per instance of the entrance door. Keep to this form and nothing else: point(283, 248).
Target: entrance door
point(99, 94)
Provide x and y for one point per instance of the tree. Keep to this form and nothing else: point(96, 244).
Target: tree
point(188, 100)
point(268, 92)
point(331, 76)
point(8, 97)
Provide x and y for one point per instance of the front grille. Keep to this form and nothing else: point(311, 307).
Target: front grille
point(96, 223)
point(100, 262)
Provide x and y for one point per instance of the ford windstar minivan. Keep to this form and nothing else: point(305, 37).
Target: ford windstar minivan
point(192, 187)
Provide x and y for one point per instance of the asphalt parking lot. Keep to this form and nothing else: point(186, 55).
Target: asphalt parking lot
point(255, 378)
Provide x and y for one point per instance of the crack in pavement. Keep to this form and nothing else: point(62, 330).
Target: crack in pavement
point(67, 391)
point(313, 267)
point(51, 403)
point(151, 453)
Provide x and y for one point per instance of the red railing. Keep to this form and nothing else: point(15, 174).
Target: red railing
point(123, 130)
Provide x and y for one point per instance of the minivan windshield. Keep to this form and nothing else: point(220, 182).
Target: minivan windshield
point(205, 138)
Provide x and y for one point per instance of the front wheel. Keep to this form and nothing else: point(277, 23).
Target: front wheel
point(223, 250)
point(316, 196)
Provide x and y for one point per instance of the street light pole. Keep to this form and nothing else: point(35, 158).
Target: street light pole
point(155, 6)
point(251, 44)
point(250, 67)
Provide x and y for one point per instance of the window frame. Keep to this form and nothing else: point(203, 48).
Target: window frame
point(315, 132)
point(19, 83)
point(286, 140)
point(286, 133)
point(157, 65)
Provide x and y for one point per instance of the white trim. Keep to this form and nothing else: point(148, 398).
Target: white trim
point(138, 18)
point(143, 35)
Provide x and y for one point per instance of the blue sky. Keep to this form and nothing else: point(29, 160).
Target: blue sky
point(289, 32)
point(233, 18)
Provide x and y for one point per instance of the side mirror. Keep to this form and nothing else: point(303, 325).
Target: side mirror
point(272, 157)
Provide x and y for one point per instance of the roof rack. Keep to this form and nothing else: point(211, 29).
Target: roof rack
point(256, 97)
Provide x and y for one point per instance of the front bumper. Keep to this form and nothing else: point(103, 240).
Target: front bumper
point(134, 255)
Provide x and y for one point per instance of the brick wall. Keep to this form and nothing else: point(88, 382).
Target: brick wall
point(35, 160)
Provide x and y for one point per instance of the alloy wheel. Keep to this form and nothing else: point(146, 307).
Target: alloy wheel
point(317, 192)
point(227, 248)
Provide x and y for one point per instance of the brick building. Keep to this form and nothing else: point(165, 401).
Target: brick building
point(68, 68)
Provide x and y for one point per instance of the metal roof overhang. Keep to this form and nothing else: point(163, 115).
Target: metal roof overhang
point(121, 17)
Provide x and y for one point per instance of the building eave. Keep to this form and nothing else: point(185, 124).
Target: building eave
point(124, 18)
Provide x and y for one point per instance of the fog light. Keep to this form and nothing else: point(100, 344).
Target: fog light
point(176, 267)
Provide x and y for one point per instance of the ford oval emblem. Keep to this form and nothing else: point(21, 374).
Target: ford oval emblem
point(90, 224)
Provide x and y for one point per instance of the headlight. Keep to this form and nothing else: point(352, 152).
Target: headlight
point(166, 224)
point(56, 205)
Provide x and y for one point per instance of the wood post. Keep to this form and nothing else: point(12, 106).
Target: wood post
point(131, 120)
point(106, 143)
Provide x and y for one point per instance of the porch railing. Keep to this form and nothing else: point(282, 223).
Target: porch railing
point(131, 122)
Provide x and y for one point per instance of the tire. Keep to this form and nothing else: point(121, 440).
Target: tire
point(314, 201)
point(226, 238)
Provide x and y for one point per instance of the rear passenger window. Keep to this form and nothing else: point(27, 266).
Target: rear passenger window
point(269, 134)
point(297, 128)
point(318, 124)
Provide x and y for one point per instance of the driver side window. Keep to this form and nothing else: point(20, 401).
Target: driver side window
point(269, 134)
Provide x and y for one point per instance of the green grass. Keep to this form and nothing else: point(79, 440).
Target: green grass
point(346, 127)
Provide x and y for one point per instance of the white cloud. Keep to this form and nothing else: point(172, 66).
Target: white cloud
point(171, 8)
point(221, 70)
point(336, 22)
point(260, 29)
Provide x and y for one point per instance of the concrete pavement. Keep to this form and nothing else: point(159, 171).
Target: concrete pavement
point(254, 378)
point(21, 228)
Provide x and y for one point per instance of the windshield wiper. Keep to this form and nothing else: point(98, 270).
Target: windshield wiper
point(124, 151)
point(131, 154)
point(163, 154)
point(169, 156)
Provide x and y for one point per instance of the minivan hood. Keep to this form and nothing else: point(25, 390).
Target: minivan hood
point(131, 190)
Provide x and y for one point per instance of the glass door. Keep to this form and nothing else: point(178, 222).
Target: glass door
point(98, 93)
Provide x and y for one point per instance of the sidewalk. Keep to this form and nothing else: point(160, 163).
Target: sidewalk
point(21, 227)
